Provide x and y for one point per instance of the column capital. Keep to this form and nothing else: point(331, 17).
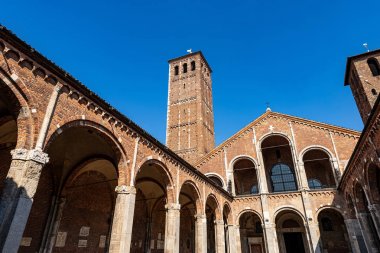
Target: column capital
point(36, 155)
point(219, 222)
point(125, 189)
point(173, 206)
point(200, 216)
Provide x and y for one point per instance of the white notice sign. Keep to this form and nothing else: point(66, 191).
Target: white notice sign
point(84, 231)
point(61, 239)
point(82, 244)
point(26, 241)
point(102, 241)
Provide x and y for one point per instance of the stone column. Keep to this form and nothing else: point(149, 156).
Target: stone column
point(271, 238)
point(367, 232)
point(233, 236)
point(54, 230)
point(314, 236)
point(122, 224)
point(172, 228)
point(17, 198)
point(261, 175)
point(337, 173)
point(200, 234)
point(355, 236)
point(220, 243)
point(375, 214)
point(304, 184)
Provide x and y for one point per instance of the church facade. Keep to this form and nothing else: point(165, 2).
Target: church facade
point(76, 175)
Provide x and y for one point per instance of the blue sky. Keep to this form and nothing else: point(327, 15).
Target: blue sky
point(291, 54)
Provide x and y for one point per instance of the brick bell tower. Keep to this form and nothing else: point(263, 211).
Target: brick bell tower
point(363, 76)
point(190, 116)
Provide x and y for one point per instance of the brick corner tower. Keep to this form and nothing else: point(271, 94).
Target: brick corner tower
point(363, 76)
point(190, 116)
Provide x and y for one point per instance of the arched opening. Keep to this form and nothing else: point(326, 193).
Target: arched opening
point(148, 231)
point(216, 179)
point(227, 219)
point(212, 210)
point(251, 233)
point(189, 201)
point(74, 201)
point(245, 177)
point(374, 66)
point(373, 177)
point(318, 169)
point(333, 232)
point(291, 232)
point(9, 111)
point(364, 215)
point(278, 162)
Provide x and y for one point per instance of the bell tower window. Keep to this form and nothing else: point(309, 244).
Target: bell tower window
point(176, 70)
point(192, 65)
point(373, 64)
point(185, 68)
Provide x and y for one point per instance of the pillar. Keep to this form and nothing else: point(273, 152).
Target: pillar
point(314, 237)
point(220, 243)
point(355, 236)
point(122, 223)
point(200, 234)
point(271, 238)
point(367, 231)
point(172, 232)
point(304, 184)
point(17, 198)
point(234, 245)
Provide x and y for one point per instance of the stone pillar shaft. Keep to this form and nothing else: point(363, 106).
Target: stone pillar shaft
point(233, 239)
point(271, 238)
point(200, 234)
point(220, 243)
point(121, 234)
point(172, 228)
point(17, 198)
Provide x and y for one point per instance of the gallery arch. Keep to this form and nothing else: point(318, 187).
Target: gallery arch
point(213, 217)
point(9, 109)
point(251, 233)
point(333, 231)
point(278, 163)
point(66, 214)
point(245, 177)
point(190, 207)
point(152, 183)
point(318, 169)
point(291, 232)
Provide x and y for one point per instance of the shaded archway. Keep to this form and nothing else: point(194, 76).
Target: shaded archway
point(190, 207)
point(212, 215)
point(251, 233)
point(245, 177)
point(278, 162)
point(333, 232)
point(74, 201)
point(216, 179)
point(291, 232)
point(152, 183)
point(318, 169)
point(373, 178)
point(227, 220)
point(367, 223)
point(10, 109)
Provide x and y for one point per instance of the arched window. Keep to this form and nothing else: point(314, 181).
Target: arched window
point(314, 184)
point(216, 180)
point(374, 66)
point(327, 224)
point(176, 70)
point(192, 65)
point(254, 189)
point(185, 68)
point(282, 178)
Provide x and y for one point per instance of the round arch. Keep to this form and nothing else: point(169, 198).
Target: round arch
point(237, 158)
point(317, 147)
point(238, 216)
point(217, 176)
point(195, 190)
point(268, 135)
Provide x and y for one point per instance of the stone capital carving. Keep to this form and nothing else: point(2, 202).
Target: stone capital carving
point(173, 206)
point(219, 222)
point(200, 217)
point(38, 156)
point(125, 189)
point(34, 155)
